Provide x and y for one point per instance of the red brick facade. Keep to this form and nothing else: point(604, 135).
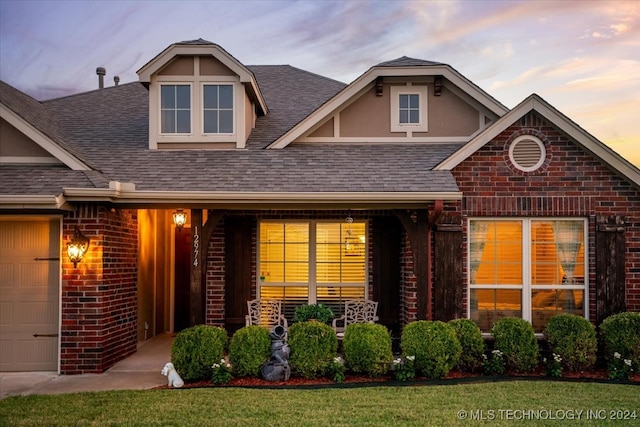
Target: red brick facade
point(571, 182)
point(99, 297)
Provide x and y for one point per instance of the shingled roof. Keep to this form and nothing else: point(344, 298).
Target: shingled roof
point(110, 127)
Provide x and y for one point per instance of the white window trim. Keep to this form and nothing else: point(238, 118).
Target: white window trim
point(422, 91)
point(526, 264)
point(313, 284)
point(159, 111)
point(235, 108)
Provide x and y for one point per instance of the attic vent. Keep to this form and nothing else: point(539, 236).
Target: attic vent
point(527, 153)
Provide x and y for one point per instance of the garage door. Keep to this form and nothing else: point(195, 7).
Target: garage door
point(29, 294)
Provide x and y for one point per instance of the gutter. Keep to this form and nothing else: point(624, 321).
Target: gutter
point(34, 202)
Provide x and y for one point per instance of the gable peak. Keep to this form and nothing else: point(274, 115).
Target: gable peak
point(405, 61)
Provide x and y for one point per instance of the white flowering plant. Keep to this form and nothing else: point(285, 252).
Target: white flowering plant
point(620, 368)
point(335, 369)
point(404, 368)
point(553, 366)
point(494, 364)
point(221, 372)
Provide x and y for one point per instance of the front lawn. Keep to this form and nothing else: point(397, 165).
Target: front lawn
point(499, 403)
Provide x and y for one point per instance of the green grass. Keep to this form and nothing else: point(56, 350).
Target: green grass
point(420, 405)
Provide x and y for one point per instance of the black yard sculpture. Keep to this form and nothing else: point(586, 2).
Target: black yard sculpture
point(277, 367)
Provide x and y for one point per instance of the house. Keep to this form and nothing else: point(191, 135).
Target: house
point(410, 186)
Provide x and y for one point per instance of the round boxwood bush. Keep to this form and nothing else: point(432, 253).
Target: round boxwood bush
point(516, 340)
point(313, 346)
point(196, 349)
point(250, 347)
point(573, 338)
point(472, 344)
point(434, 345)
point(367, 348)
point(620, 333)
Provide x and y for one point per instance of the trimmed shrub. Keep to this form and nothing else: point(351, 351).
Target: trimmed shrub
point(620, 333)
point(434, 345)
point(367, 348)
point(472, 344)
point(319, 312)
point(196, 349)
point(313, 346)
point(573, 338)
point(250, 347)
point(516, 340)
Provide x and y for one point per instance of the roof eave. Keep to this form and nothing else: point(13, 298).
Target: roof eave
point(36, 202)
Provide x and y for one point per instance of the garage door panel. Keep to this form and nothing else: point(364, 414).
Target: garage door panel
point(29, 294)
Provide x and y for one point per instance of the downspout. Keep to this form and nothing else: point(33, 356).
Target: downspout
point(433, 218)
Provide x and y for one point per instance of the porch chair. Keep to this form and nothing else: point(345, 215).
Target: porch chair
point(265, 312)
point(355, 311)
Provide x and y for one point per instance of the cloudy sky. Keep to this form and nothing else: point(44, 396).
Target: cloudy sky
point(581, 56)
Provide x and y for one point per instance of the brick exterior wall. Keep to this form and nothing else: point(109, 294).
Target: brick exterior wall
point(570, 182)
point(99, 297)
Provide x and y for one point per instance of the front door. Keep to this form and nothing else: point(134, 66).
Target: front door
point(182, 280)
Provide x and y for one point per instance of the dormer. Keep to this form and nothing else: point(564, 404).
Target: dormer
point(200, 97)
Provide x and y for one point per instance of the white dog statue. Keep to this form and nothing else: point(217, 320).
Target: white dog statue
point(170, 372)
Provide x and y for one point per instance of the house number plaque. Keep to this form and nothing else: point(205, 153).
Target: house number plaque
point(196, 245)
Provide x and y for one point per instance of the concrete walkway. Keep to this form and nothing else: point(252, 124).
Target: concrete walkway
point(137, 372)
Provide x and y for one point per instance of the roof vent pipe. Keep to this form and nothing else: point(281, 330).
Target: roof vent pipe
point(100, 71)
point(116, 80)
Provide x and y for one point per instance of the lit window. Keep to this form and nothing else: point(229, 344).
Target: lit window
point(312, 262)
point(175, 109)
point(526, 268)
point(218, 108)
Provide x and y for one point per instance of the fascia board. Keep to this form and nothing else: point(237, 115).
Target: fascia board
point(368, 77)
point(246, 76)
point(252, 198)
point(42, 140)
point(33, 202)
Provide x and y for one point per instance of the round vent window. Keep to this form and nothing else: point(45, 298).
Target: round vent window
point(527, 153)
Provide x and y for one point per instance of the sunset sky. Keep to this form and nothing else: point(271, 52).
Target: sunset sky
point(583, 57)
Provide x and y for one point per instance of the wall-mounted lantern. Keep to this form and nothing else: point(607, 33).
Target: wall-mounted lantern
point(179, 219)
point(77, 247)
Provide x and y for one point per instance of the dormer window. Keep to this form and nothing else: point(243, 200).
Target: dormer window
point(409, 108)
point(175, 109)
point(218, 108)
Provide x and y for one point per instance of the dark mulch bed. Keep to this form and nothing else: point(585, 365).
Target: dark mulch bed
point(454, 377)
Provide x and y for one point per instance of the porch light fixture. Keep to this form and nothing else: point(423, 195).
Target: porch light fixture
point(179, 219)
point(77, 247)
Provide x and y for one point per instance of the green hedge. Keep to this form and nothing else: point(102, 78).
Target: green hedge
point(367, 348)
point(250, 347)
point(620, 333)
point(470, 338)
point(516, 339)
point(196, 349)
point(313, 346)
point(434, 345)
point(574, 339)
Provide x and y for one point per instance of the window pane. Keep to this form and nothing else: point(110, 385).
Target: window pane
point(414, 101)
point(271, 232)
point(404, 116)
point(271, 251)
point(414, 116)
point(334, 296)
point(489, 305)
point(184, 121)
point(499, 260)
point(210, 121)
point(547, 303)
point(226, 121)
point(558, 250)
point(168, 121)
point(210, 96)
point(167, 97)
point(272, 272)
point(296, 272)
point(226, 96)
point(183, 96)
point(403, 102)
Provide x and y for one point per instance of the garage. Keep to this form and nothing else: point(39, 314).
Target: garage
point(29, 293)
